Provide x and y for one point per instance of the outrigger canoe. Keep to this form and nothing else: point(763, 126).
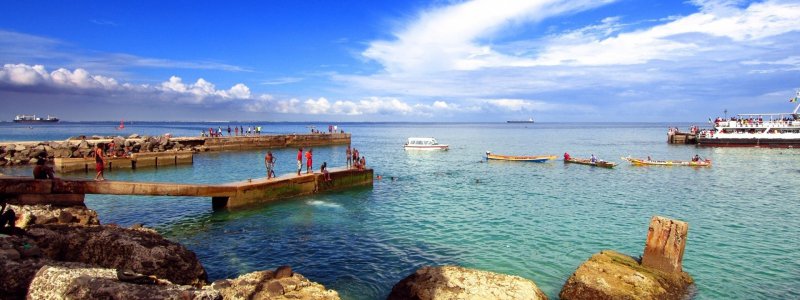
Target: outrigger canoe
point(645, 162)
point(586, 161)
point(536, 158)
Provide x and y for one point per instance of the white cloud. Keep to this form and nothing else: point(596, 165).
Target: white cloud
point(446, 38)
point(81, 81)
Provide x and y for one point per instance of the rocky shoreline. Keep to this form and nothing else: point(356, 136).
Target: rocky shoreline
point(64, 253)
point(23, 153)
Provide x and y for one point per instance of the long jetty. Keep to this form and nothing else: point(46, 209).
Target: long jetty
point(67, 192)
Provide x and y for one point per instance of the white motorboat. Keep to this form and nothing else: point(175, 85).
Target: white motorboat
point(423, 143)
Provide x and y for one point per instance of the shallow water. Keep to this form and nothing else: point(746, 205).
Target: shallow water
point(538, 221)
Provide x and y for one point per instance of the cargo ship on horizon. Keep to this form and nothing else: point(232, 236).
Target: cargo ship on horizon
point(34, 119)
point(529, 120)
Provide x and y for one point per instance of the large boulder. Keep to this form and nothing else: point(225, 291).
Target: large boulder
point(20, 258)
point(453, 282)
point(141, 250)
point(54, 282)
point(279, 284)
point(612, 275)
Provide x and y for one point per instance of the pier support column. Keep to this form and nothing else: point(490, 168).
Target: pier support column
point(666, 241)
point(218, 203)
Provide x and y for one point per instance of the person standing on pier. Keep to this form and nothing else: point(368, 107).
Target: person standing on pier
point(299, 161)
point(349, 156)
point(269, 162)
point(99, 161)
point(309, 154)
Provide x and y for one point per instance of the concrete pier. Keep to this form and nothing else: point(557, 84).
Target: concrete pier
point(26, 190)
point(136, 160)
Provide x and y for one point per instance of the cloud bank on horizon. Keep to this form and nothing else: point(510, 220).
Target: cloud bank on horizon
point(481, 60)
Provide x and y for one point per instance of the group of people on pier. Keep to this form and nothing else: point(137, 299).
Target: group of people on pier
point(354, 160)
point(236, 131)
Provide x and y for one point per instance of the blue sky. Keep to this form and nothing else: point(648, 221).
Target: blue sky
point(483, 60)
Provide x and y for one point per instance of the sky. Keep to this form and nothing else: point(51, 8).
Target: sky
point(406, 61)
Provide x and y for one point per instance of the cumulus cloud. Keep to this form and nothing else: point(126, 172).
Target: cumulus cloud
point(80, 81)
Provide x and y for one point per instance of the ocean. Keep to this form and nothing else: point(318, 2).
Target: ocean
point(535, 220)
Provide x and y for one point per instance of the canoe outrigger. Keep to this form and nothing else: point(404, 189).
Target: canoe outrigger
point(647, 162)
point(586, 161)
point(536, 158)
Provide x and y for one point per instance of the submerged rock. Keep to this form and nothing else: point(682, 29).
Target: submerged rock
point(53, 282)
point(453, 282)
point(612, 275)
point(280, 284)
point(143, 251)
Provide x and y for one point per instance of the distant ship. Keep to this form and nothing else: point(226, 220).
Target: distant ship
point(34, 119)
point(529, 120)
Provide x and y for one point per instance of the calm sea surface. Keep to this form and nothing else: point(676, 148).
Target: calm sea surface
point(538, 221)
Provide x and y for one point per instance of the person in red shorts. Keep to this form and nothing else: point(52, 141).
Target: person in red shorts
point(100, 162)
point(299, 161)
point(308, 161)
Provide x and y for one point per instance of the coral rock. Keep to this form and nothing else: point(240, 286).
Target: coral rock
point(453, 282)
point(612, 275)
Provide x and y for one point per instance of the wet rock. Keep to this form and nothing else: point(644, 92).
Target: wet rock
point(142, 251)
point(54, 282)
point(453, 282)
point(612, 275)
point(265, 285)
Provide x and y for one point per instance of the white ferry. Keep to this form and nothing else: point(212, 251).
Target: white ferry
point(423, 143)
point(779, 130)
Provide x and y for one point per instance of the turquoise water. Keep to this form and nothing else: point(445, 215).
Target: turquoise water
point(538, 221)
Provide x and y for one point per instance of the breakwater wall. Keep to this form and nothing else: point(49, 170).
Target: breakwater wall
point(134, 161)
point(22, 153)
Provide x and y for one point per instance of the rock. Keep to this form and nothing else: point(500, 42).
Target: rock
point(19, 147)
point(28, 215)
point(83, 145)
point(134, 136)
point(16, 270)
point(33, 161)
point(10, 254)
point(453, 282)
point(142, 251)
point(283, 272)
point(612, 275)
point(54, 282)
point(265, 285)
point(54, 145)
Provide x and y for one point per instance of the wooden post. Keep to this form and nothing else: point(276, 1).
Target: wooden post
point(666, 241)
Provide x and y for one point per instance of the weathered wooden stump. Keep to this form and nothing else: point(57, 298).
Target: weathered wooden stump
point(666, 241)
